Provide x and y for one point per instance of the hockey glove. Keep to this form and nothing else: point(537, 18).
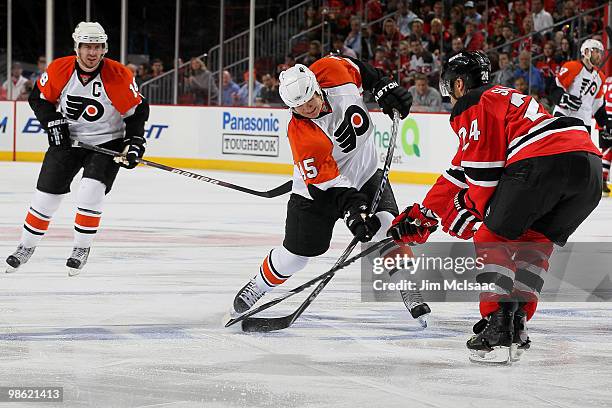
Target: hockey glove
point(57, 130)
point(362, 225)
point(459, 221)
point(133, 149)
point(413, 225)
point(390, 95)
point(571, 102)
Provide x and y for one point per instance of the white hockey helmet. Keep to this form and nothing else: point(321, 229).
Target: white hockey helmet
point(298, 85)
point(589, 45)
point(91, 33)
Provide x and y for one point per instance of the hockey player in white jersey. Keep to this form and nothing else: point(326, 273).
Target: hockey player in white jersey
point(335, 161)
point(91, 99)
point(580, 92)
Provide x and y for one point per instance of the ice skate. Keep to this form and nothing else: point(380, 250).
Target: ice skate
point(77, 260)
point(520, 341)
point(493, 337)
point(18, 258)
point(246, 298)
point(416, 306)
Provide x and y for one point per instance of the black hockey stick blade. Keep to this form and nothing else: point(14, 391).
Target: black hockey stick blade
point(306, 285)
point(275, 192)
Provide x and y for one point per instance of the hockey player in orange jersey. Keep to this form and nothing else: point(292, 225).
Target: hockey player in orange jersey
point(580, 94)
point(91, 99)
point(335, 162)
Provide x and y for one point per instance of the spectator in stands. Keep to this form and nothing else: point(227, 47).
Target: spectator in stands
point(391, 37)
point(268, 93)
point(590, 26)
point(404, 18)
point(535, 41)
point(339, 47)
point(564, 53)
point(18, 82)
point(314, 53)
point(474, 40)
point(404, 60)
point(381, 60)
point(143, 74)
point(471, 14)
point(569, 11)
point(438, 12)
point(157, 68)
point(509, 46)
point(424, 97)
point(373, 10)
point(542, 20)
point(456, 15)
point(133, 68)
point(25, 92)
point(440, 38)
point(505, 75)
point(243, 93)
point(230, 89)
point(200, 83)
point(41, 66)
point(422, 60)
point(354, 38)
point(497, 39)
point(548, 66)
point(311, 19)
point(518, 14)
point(457, 46)
point(417, 32)
point(531, 74)
point(520, 84)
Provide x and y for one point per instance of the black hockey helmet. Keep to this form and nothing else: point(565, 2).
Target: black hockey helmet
point(473, 67)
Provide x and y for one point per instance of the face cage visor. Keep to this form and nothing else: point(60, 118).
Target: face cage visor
point(446, 87)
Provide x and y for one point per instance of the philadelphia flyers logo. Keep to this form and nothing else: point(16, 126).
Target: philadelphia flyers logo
point(77, 106)
point(354, 124)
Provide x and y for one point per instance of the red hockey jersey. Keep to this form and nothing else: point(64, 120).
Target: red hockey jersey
point(498, 126)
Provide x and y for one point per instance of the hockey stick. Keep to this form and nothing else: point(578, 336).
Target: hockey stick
point(308, 284)
point(255, 324)
point(275, 192)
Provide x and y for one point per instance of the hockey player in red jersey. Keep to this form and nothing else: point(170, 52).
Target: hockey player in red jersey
point(580, 94)
point(605, 136)
point(335, 175)
point(527, 176)
point(94, 100)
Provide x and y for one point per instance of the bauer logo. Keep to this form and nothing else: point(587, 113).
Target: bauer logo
point(250, 145)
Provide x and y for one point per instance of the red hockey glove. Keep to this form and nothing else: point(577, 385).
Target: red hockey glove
point(413, 225)
point(458, 221)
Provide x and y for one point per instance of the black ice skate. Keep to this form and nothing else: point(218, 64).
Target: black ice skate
point(493, 337)
point(246, 298)
point(77, 260)
point(413, 300)
point(18, 258)
point(520, 341)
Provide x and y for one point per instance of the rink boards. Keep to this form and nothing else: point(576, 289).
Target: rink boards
point(244, 139)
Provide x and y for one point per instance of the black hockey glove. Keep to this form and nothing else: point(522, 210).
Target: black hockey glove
point(571, 102)
point(133, 149)
point(57, 130)
point(390, 95)
point(362, 225)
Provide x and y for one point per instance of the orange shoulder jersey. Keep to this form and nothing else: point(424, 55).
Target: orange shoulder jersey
point(577, 80)
point(95, 109)
point(337, 148)
point(498, 126)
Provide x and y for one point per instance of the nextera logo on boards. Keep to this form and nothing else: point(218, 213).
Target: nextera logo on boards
point(408, 139)
point(246, 135)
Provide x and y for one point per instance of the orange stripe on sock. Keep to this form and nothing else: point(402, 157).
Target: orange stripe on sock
point(87, 221)
point(36, 222)
point(269, 274)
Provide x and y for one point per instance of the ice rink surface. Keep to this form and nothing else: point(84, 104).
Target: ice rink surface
point(142, 326)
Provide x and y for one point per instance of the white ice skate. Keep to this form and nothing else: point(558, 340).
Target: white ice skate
point(77, 260)
point(18, 258)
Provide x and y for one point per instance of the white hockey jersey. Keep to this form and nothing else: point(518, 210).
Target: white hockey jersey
point(577, 80)
point(94, 109)
point(336, 149)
